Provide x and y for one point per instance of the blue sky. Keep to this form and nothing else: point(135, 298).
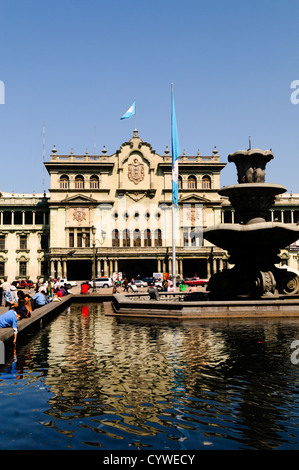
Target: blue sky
point(76, 66)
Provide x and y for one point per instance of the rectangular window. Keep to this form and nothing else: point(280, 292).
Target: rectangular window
point(64, 184)
point(115, 239)
point(39, 217)
point(18, 218)
point(79, 239)
point(87, 240)
point(44, 268)
point(94, 184)
point(2, 269)
point(71, 240)
point(28, 218)
point(2, 242)
point(147, 238)
point(44, 242)
point(23, 268)
point(6, 218)
point(23, 242)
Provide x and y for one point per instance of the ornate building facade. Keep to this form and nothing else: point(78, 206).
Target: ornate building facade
point(106, 214)
point(117, 209)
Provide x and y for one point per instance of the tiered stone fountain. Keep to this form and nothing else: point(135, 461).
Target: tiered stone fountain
point(253, 244)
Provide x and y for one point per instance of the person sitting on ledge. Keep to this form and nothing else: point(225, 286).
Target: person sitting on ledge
point(39, 299)
point(11, 318)
point(26, 299)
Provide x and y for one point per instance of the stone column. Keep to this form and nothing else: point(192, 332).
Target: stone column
point(105, 267)
point(208, 268)
point(52, 269)
point(181, 267)
point(59, 268)
point(214, 265)
point(64, 269)
point(99, 268)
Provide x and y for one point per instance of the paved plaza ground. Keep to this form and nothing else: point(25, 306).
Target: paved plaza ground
point(99, 290)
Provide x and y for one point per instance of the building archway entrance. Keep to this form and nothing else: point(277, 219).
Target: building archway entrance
point(195, 267)
point(79, 270)
point(137, 268)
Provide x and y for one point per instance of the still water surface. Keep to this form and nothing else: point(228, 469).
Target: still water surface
point(86, 381)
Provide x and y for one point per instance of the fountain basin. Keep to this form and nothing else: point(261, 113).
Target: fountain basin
point(252, 201)
point(264, 235)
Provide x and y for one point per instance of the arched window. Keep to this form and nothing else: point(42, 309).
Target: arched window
point(64, 182)
point(158, 237)
point(136, 238)
point(115, 238)
point(147, 237)
point(79, 182)
point(206, 182)
point(126, 238)
point(94, 182)
point(180, 182)
point(192, 183)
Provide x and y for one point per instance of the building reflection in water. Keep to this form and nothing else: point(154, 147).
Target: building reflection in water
point(191, 383)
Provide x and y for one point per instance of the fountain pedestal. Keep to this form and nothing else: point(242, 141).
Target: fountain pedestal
point(253, 244)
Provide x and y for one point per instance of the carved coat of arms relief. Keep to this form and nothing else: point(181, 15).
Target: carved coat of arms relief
point(80, 215)
point(136, 171)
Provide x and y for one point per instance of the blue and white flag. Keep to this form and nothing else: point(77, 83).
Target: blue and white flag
point(130, 112)
point(175, 152)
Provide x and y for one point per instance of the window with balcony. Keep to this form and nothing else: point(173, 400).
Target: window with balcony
point(192, 183)
point(115, 238)
point(2, 242)
point(94, 182)
point(79, 182)
point(206, 182)
point(147, 238)
point(23, 269)
point(23, 242)
point(158, 237)
point(126, 238)
point(137, 238)
point(64, 182)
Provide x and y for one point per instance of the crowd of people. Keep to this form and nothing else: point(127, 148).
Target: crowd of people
point(20, 304)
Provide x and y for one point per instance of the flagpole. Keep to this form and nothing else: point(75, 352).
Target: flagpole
point(175, 155)
point(173, 249)
point(173, 226)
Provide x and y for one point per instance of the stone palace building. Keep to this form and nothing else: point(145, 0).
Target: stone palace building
point(106, 214)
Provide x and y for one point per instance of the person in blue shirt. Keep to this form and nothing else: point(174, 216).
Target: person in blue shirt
point(39, 299)
point(10, 319)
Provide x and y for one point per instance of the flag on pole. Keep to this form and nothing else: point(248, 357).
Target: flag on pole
point(175, 152)
point(130, 112)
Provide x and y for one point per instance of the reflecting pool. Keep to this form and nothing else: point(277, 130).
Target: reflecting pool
point(87, 381)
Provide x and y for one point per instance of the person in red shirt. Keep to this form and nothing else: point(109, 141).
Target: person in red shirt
point(85, 288)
